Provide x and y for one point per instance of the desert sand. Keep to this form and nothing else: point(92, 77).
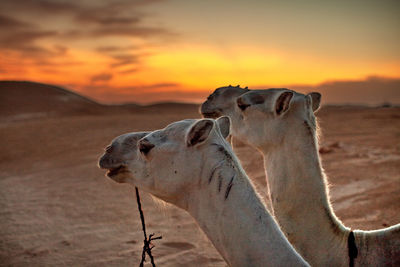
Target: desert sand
point(58, 208)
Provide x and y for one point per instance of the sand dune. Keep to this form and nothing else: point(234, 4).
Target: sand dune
point(23, 100)
point(58, 208)
point(35, 98)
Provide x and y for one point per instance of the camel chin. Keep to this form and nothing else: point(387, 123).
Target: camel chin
point(211, 114)
point(119, 175)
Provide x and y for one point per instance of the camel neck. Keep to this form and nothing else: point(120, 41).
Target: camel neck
point(231, 214)
point(300, 200)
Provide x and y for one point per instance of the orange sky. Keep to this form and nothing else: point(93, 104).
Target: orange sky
point(158, 50)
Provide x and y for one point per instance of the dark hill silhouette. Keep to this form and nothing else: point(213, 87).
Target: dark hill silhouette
point(28, 100)
point(37, 99)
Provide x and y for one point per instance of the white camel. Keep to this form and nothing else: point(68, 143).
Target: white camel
point(190, 165)
point(281, 124)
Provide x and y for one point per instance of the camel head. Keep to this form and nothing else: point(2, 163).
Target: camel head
point(119, 154)
point(221, 102)
point(168, 162)
point(268, 117)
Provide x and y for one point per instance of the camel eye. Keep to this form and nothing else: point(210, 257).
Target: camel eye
point(145, 146)
point(241, 104)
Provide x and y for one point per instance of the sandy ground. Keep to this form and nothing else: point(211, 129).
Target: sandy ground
point(58, 208)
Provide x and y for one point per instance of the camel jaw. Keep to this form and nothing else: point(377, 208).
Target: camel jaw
point(211, 114)
point(119, 175)
point(111, 165)
point(115, 171)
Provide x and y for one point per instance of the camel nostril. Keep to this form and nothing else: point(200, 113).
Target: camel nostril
point(105, 162)
point(109, 149)
point(145, 146)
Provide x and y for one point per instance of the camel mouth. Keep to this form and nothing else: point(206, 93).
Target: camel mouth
point(211, 115)
point(115, 171)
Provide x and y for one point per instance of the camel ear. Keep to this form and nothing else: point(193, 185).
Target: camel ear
point(282, 104)
point(224, 124)
point(199, 132)
point(248, 99)
point(315, 100)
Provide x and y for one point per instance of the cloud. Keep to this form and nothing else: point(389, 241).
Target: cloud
point(105, 19)
point(102, 77)
point(124, 59)
point(128, 71)
point(157, 86)
point(60, 49)
point(111, 19)
point(40, 7)
point(56, 7)
point(29, 36)
point(122, 56)
point(18, 35)
point(130, 31)
point(9, 22)
point(113, 48)
point(24, 40)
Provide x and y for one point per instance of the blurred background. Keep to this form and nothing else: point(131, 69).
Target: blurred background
point(146, 51)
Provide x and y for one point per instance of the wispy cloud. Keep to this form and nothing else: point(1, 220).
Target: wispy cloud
point(129, 71)
point(40, 7)
point(122, 56)
point(86, 20)
point(18, 35)
point(102, 77)
point(130, 31)
point(102, 26)
point(124, 59)
point(114, 48)
point(105, 19)
point(11, 23)
point(112, 18)
point(24, 40)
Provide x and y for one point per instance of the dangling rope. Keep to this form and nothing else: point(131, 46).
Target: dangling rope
point(147, 246)
point(352, 248)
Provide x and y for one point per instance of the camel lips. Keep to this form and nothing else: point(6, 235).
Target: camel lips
point(114, 171)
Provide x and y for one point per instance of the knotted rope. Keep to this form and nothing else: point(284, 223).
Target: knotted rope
point(147, 246)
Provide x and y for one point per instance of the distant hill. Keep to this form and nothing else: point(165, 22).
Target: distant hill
point(171, 106)
point(18, 98)
point(26, 100)
point(373, 91)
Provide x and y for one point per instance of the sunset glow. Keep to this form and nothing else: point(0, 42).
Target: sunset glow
point(146, 51)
